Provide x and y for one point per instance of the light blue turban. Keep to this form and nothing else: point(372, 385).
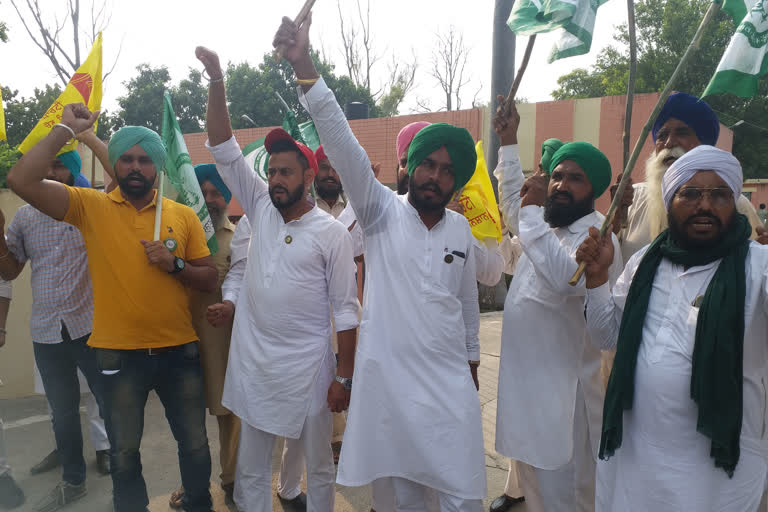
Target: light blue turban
point(72, 161)
point(128, 136)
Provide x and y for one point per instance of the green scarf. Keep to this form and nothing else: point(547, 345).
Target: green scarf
point(717, 378)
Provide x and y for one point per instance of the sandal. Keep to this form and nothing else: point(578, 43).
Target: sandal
point(176, 497)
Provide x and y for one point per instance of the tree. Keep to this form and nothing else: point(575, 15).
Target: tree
point(143, 102)
point(64, 58)
point(22, 114)
point(665, 28)
point(401, 81)
point(448, 62)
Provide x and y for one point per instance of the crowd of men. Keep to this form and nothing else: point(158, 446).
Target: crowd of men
point(278, 333)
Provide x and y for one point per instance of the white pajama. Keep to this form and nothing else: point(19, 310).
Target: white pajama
point(512, 487)
point(394, 494)
point(5, 468)
point(570, 488)
point(291, 469)
point(253, 478)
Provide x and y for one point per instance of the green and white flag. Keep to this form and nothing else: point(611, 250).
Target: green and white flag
point(575, 19)
point(181, 173)
point(736, 9)
point(746, 58)
point(256, 155)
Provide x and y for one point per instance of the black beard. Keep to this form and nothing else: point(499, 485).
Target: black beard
point(293, 197)
point(677, 232)
point(422, 204)
point(328, 193)
point(558, 215)
point(402, 184)
point(217, 218)
point(135, 191)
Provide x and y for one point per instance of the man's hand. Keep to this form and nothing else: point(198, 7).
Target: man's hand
point(597, 253)
point(2, 222)
point(158, 254)
point(293, 39)
point(506, 121)
point(534, 190)
point(220, 314)
point(210, 61)
point(376, 168)
point(78, 117)
point(762, 235)
point(626, 201)
point(338, 397)
point(475, 379)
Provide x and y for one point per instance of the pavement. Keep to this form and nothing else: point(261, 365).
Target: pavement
point(29, 438)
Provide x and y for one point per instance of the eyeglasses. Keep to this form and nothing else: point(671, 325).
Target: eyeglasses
point(719, 196)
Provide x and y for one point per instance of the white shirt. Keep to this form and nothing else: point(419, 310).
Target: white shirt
point(414, 412)
point(663, 463)
point(348, 218)
point(238, 257)
point(281, 332)
point(637, 234)
point(489, 261)
point(545, 352)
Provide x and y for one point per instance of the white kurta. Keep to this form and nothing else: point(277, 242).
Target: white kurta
point(545, 351)
point(637, 234)
point(663, 463)
point(414, 412)
point(281, 334)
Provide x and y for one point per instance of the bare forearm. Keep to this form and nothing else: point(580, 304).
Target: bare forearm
point(347, 341)
point(202, 278)
point(10, 268)
point(217, 116)
point(99, 148)
point(305, 70)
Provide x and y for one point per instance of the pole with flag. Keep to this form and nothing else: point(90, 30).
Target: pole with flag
point(3, 135)
point(83, 87)
point(181, 174)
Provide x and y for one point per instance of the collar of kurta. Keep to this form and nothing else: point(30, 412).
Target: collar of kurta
point(415, 212)
point(227, 226)
point(117, 196)
point(340, 201)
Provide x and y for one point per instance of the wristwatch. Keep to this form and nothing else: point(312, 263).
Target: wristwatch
point(178, 265)
point(345, 381)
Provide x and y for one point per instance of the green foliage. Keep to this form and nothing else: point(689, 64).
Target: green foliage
point(664, 30)
point(9, 155)
point(143, 103)
point(22, 114)
point(3, 37)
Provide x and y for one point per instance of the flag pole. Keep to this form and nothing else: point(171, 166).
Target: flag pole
point(159, 205)
point(623, 214)
point(278, 53)
point(694, 45)
point(519, 75)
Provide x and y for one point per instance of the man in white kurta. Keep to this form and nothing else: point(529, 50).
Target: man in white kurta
point(280, 374)
point(414, 418)
point(550, 396)
point(663, 463)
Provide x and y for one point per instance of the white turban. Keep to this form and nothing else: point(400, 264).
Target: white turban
point(701, 158)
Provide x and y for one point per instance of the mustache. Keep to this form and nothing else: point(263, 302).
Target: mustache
point(561, 193)
point(701, 216)
point(136, 175)
point(675, 152)
point(432, 187)
point(280, 188)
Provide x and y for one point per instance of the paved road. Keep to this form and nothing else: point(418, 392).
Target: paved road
point(29, 439)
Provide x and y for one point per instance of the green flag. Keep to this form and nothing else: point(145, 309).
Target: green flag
point(181, 173)
point(575, 19)
point(736, 9)
point(746, 58)
point(256, 155)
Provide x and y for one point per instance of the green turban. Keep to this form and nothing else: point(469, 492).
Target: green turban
point(72, 161)
point(458, 142)
point(548, 148)
point(591, 160)
point(128, 136)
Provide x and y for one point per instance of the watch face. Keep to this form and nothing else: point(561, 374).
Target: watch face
point(179, 264)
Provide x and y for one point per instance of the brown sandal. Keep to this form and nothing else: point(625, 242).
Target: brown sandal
point(176, 496)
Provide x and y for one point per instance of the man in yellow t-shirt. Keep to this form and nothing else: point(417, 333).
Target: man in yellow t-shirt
point(142, 326)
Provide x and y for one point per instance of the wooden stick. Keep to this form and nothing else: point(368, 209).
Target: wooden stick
point(694, 45)
point(519, 76)
point(278, 53)
point(159, 206)
point(630, 96)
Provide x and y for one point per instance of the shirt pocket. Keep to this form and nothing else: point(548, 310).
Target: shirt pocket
point(450, 268)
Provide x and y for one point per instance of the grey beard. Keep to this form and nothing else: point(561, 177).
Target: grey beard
point(654, 173)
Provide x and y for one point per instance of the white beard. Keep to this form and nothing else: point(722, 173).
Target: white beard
point(654, 172)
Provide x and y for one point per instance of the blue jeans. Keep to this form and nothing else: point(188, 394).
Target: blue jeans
point(127, 377)
point(58, 364)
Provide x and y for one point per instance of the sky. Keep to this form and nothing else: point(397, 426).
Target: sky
point(166, 32)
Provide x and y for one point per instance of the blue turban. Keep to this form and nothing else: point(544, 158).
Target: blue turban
point(82, 181)
point(72, 161)
point(128, 136)
point(692, 111)
point(591, 160)
point(208, 172)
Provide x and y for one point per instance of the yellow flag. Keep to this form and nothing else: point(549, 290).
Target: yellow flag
point(480, 206)
point(3, 135)
point(83, 87)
